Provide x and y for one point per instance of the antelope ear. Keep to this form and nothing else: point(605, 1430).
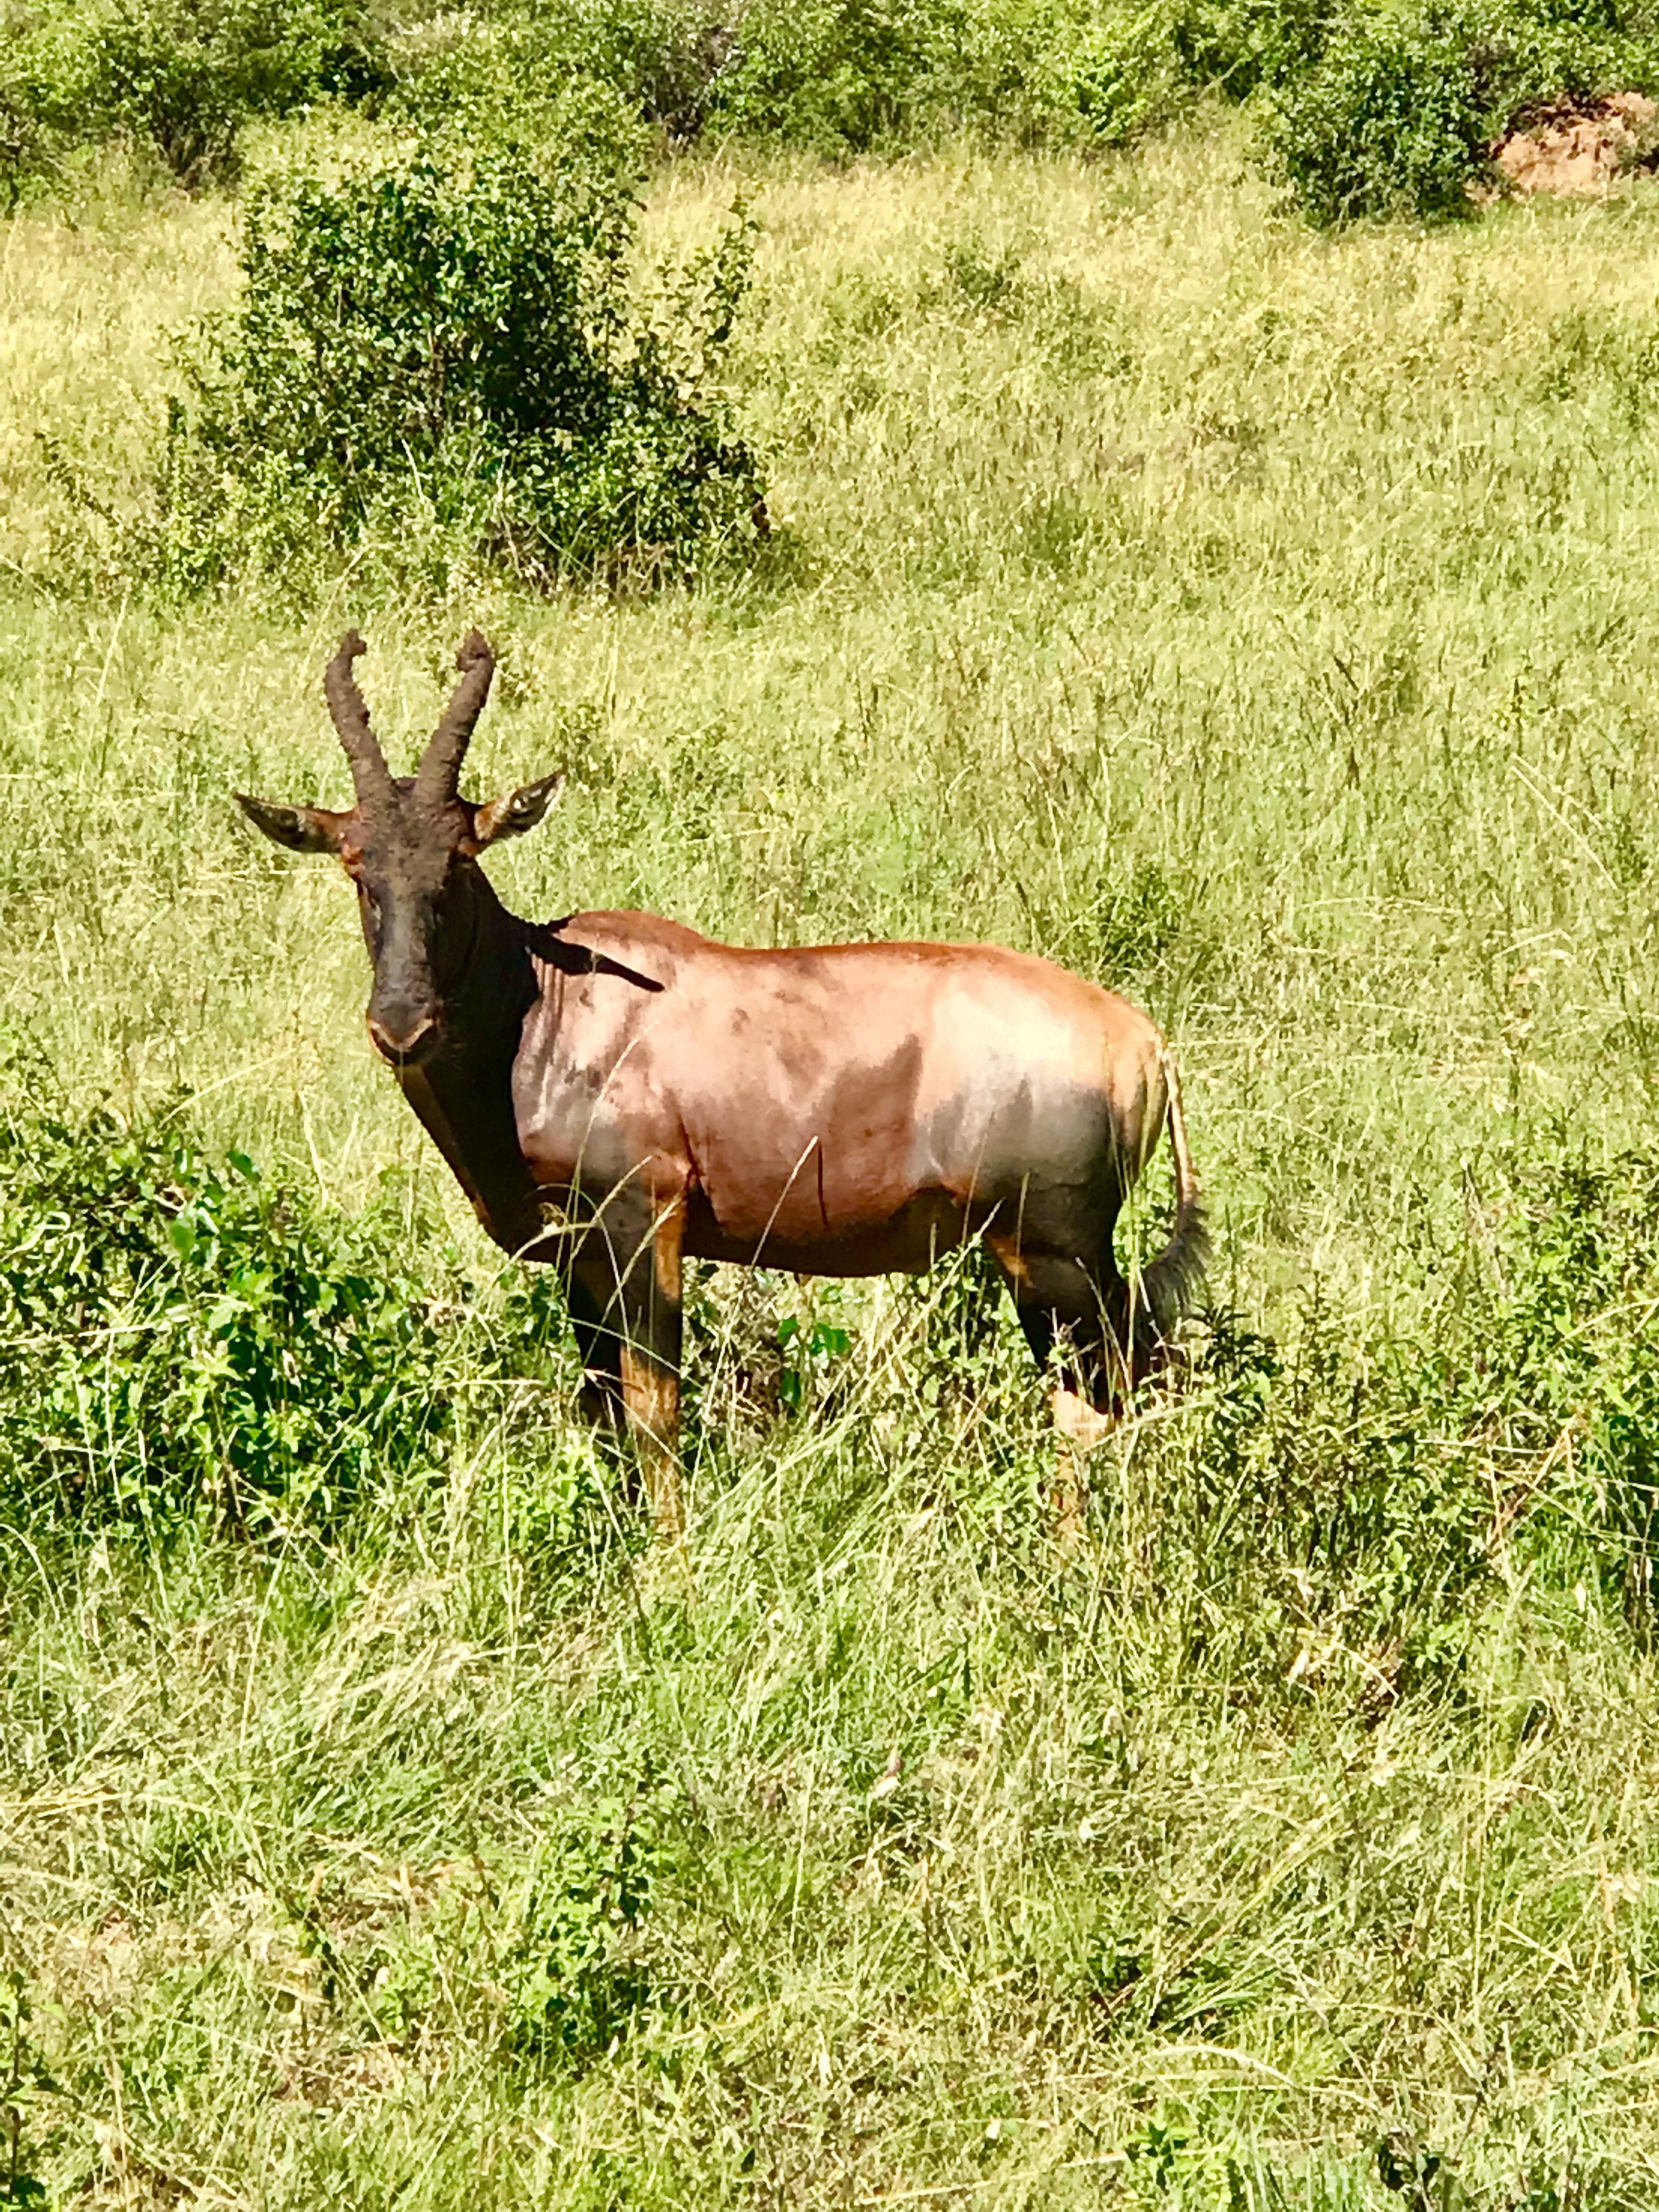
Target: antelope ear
point(302, 828)
point(520, 810)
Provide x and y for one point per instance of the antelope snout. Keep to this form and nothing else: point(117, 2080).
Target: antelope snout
point(403, 1045)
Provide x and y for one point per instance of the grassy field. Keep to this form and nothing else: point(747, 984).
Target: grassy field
point(1256, 621)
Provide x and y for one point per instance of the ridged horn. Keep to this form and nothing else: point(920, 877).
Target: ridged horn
point(437, 781)
point(370, 772)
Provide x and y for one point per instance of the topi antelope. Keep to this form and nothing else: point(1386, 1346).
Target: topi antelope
point(846, 1110)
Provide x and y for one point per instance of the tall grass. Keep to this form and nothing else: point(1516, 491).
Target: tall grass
point(1253, 620)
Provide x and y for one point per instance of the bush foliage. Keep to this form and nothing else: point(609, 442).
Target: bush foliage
point(442, 352)
point(851, 76)
point(1367, 110)
point(1371, 1494)
point(182, 1335)
point(177, 1332)
point(1398, 114)
point(177, 78)
point(513, 72)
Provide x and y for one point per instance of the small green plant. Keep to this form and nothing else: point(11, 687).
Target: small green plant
point(810, 1354)
point(547, 1951)
point(574, 1980)
point(450, 341)
point(23, 2071)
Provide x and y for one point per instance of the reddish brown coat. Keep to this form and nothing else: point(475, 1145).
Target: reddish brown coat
point(616, 1093)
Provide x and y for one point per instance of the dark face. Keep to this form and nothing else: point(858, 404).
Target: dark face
point(411, 846)
point(417, 896)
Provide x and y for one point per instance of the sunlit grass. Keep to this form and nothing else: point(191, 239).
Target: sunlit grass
point(1253, 620)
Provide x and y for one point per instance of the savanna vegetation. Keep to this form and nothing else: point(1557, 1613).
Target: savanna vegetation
point(926, 471)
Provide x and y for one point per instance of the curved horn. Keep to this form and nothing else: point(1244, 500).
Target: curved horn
point(370, 772)
point(438, 778)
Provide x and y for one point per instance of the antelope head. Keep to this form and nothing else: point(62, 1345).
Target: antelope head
point(411, 845)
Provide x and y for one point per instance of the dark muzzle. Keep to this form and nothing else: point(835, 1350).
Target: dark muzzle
point(406, 1042)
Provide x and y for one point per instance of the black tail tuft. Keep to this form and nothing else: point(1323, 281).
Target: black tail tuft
point(1168, 1284)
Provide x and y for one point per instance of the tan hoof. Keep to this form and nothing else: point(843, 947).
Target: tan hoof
point(1080, 1428)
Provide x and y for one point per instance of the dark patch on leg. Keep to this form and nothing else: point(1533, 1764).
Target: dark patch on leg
point(588, 1292)
point(1081, 1310)
point(1063, 1301)
point(625, 1303)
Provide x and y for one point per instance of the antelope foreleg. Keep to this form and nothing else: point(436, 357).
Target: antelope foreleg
point(651, 1306)
point(625, 1297)
point(651, 1398)
point(590, 1293)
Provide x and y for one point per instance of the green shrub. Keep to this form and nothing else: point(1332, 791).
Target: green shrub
point(547, 1952)
point(1236, 46)
point(848, 76)
point(842, 76)
point(1562, 1369)
point(179, 77)
point(443, 351)
point(177, 1332)
point(1398, 115)
point(182, 1335)
point(1117, 74)
point(510, 75)
point(1388, 123)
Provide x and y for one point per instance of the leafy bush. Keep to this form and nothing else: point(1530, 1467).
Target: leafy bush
point(180, 77)
point(1117, 74)
point(839, 75)
point(511, 75)
point(1562, 1372)
point(1236, 46)
point(452, 339)
point(846, 75)
point(842, 77)
point(1399, 113)
point(1388, 123)
point(178, 1332)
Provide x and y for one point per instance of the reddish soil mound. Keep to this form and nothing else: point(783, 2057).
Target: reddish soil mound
point(1579, 146)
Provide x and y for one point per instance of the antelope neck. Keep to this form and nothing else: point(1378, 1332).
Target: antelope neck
point(463, 1092)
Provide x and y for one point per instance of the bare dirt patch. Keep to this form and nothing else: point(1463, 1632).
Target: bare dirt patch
point(1578, 147)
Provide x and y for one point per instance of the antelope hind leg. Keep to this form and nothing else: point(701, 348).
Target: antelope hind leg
point(1058, 1302)
point(1079, 1428)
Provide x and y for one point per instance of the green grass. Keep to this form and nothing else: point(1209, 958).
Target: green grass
point(1253, 620)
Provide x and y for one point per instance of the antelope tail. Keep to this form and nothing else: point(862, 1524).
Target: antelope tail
point(1168, 1282)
